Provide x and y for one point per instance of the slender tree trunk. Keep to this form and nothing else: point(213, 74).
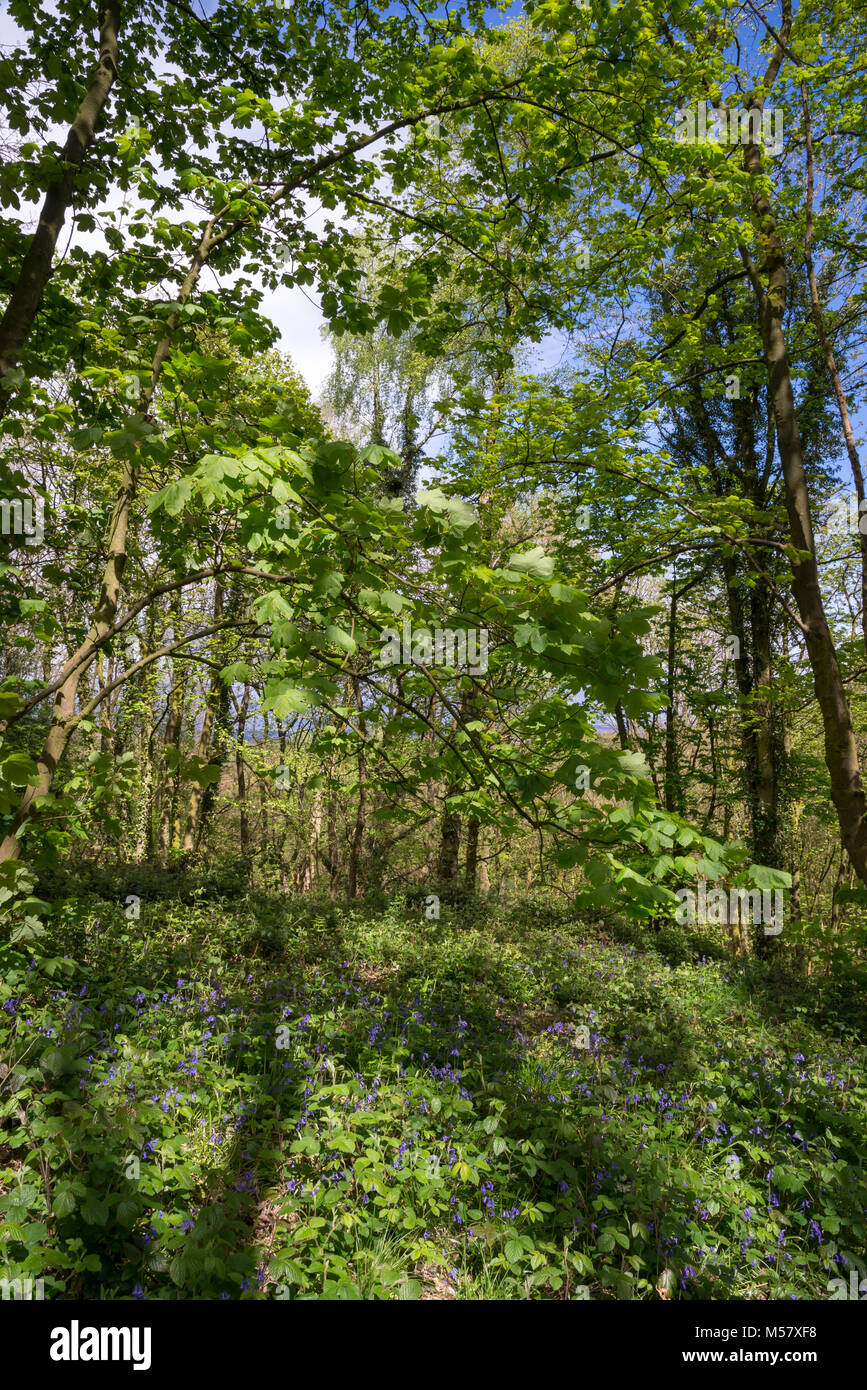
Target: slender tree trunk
point(672, 783)
point(241, 772)
point(448, 857)
point(27, 295)
point(202, 749)
point(671, 779)
point(714, 769)
point(171, 776)
point(308, 859)
point(831, 361)
point(103, 679)
point(843, 873)
point(213, 701)
point(358, 828)
point(144, 845)
point(769, 737)
point(63, 716)
point(333, 842)
point(361, 807)
point(841, 753)
point(217, 761)
point(619, 715)
point(744, 680)
point(264, 783)
point(484, 873)
point(792, 810)
point(471, 863)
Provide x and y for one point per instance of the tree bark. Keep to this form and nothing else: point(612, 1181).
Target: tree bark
point(670, 779)
point(216, 696)
point(841, 753)
point(241, 771)
point(171, 777)
point(471, 863)
point(672, 784)
point(361, 807)
point(448, 858)
point(35, 272)
point(333, 843)
point(63, 716)
point(144, 845)
point(831, 361)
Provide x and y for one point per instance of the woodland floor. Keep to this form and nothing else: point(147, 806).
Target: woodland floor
point(258, 1099)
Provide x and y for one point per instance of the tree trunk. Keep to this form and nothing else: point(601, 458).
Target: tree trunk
point(171, 777)
point(241, 771)
point(333, 842)
point(769, 737)
point(144, 844)
point(215, 700)
point(670, 779)
point(448, 857)
point(672, 783)
point(471, 863)
point(831, 361)
point(27, 295)
point(63, 716)
point(309, 857)
point(841, 753)
point(361, 808)
point(484, 873)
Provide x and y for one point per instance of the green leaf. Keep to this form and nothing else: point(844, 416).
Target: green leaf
point(237, 672)
point(284, 699)
point(534, 562)
point(341, 639)
point(127, 1211)
point(171, 499)
point(95, 1210)
point(459, 514)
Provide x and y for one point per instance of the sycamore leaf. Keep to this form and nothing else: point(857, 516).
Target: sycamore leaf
point(283, 698)
point(341, 639)
point(460, 514)
point(534, 562)
point(172, 498)
point(238, 671)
